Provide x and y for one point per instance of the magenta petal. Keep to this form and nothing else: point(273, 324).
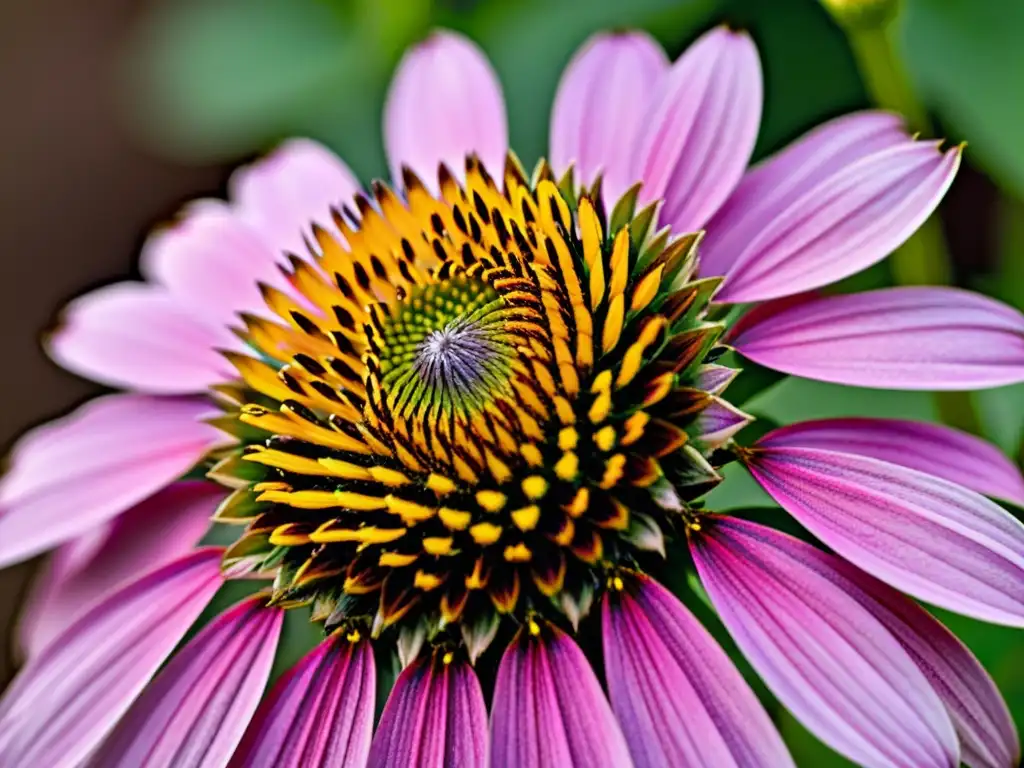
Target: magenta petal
point(700, 129)
point(549, 709)
point(599, 105)
point(295, 186)
point(435, 717)
point(197, 709)
point(777, 183)
point(66, 700)
point(76, 473)
point(138, 336)
point(923, 535)
point(895, 338)
point(821, 212)
point(445, 103)
point(678, 697)
point(930, 448)
point(160, 529)
point(333, 684)
point(826, 658)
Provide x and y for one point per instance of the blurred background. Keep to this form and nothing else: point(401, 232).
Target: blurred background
point(114, 112)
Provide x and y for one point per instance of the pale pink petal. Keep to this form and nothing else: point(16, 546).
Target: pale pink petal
point(923, 535)
point(211, 262)
point(333, 684)
point(549, 709)
point(66, 700)
point(714, 379)
point(931, 448)
point(140, 337)
point(160, 529)
point(679, 699)
point(435, 717)
point(196, 710)
point(283, 194)
point(894, 338)
point(839, 200)
point(599, 104)
point(718, 424)
point(699, 131)
point(74, 474)
point(825, 657)
point(445, 103)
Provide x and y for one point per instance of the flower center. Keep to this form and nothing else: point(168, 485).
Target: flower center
point(495, 397)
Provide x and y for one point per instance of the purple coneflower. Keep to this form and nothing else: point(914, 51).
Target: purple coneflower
point(472, 417)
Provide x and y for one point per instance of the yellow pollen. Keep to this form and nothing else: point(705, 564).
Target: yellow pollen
point(567, 466)
point(353, 636)
point(535, 487)
point(533, 627)
point(447, 658)
point(492, 501)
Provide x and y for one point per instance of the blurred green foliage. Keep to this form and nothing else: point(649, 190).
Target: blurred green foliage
point(216, 80)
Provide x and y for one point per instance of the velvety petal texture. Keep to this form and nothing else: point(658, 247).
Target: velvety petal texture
point(435, 717)
point(319, 714)
point(678, 697)
point(76, 473)
point(923, 535)
point(697, 135)
point(838, 201)
point(445, 103)
point(67, 699)
point(894, 338)
point(196, 710)
point(137, 336)
point(549, 709)
point(599, 106)
point(826, 658)
point(162, 528)
point(931, 448)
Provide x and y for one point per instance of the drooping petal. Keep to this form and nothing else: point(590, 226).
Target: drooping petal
point(333, 684)
point(211, 262)
point(138, 336)
point(894, 338)
point(74, 474)
point(826, 658)
point(549, 709)
point(678, 697)
point(599, 104)
point(931, 448)
point(776, 183)
point(699, 131)
point(923, 535)
point(839, 200)
point(197, 709)
point(160, 529)
point(435, 717)
point(64, 701)
point(445, 103)
point(283, 194)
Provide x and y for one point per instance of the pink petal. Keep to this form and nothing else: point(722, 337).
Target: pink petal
point(826, 658)
point(988, 737)
point(700, 129)
point(66, 700)
point(930, 448)
point(333, 684)
point(435, 717)
point(775, 184)
point(74, 474)
point(718, 424)
point(160, 529)
point(678, 697)
point(138, 336)
point(839, 201)
point(599, 104)
point(445, 103)
point(895, 338)
point(713, 378)
point(549, 709)
point(196, 710)
point(923, 535)
point(283, 194)
point(211, 262)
